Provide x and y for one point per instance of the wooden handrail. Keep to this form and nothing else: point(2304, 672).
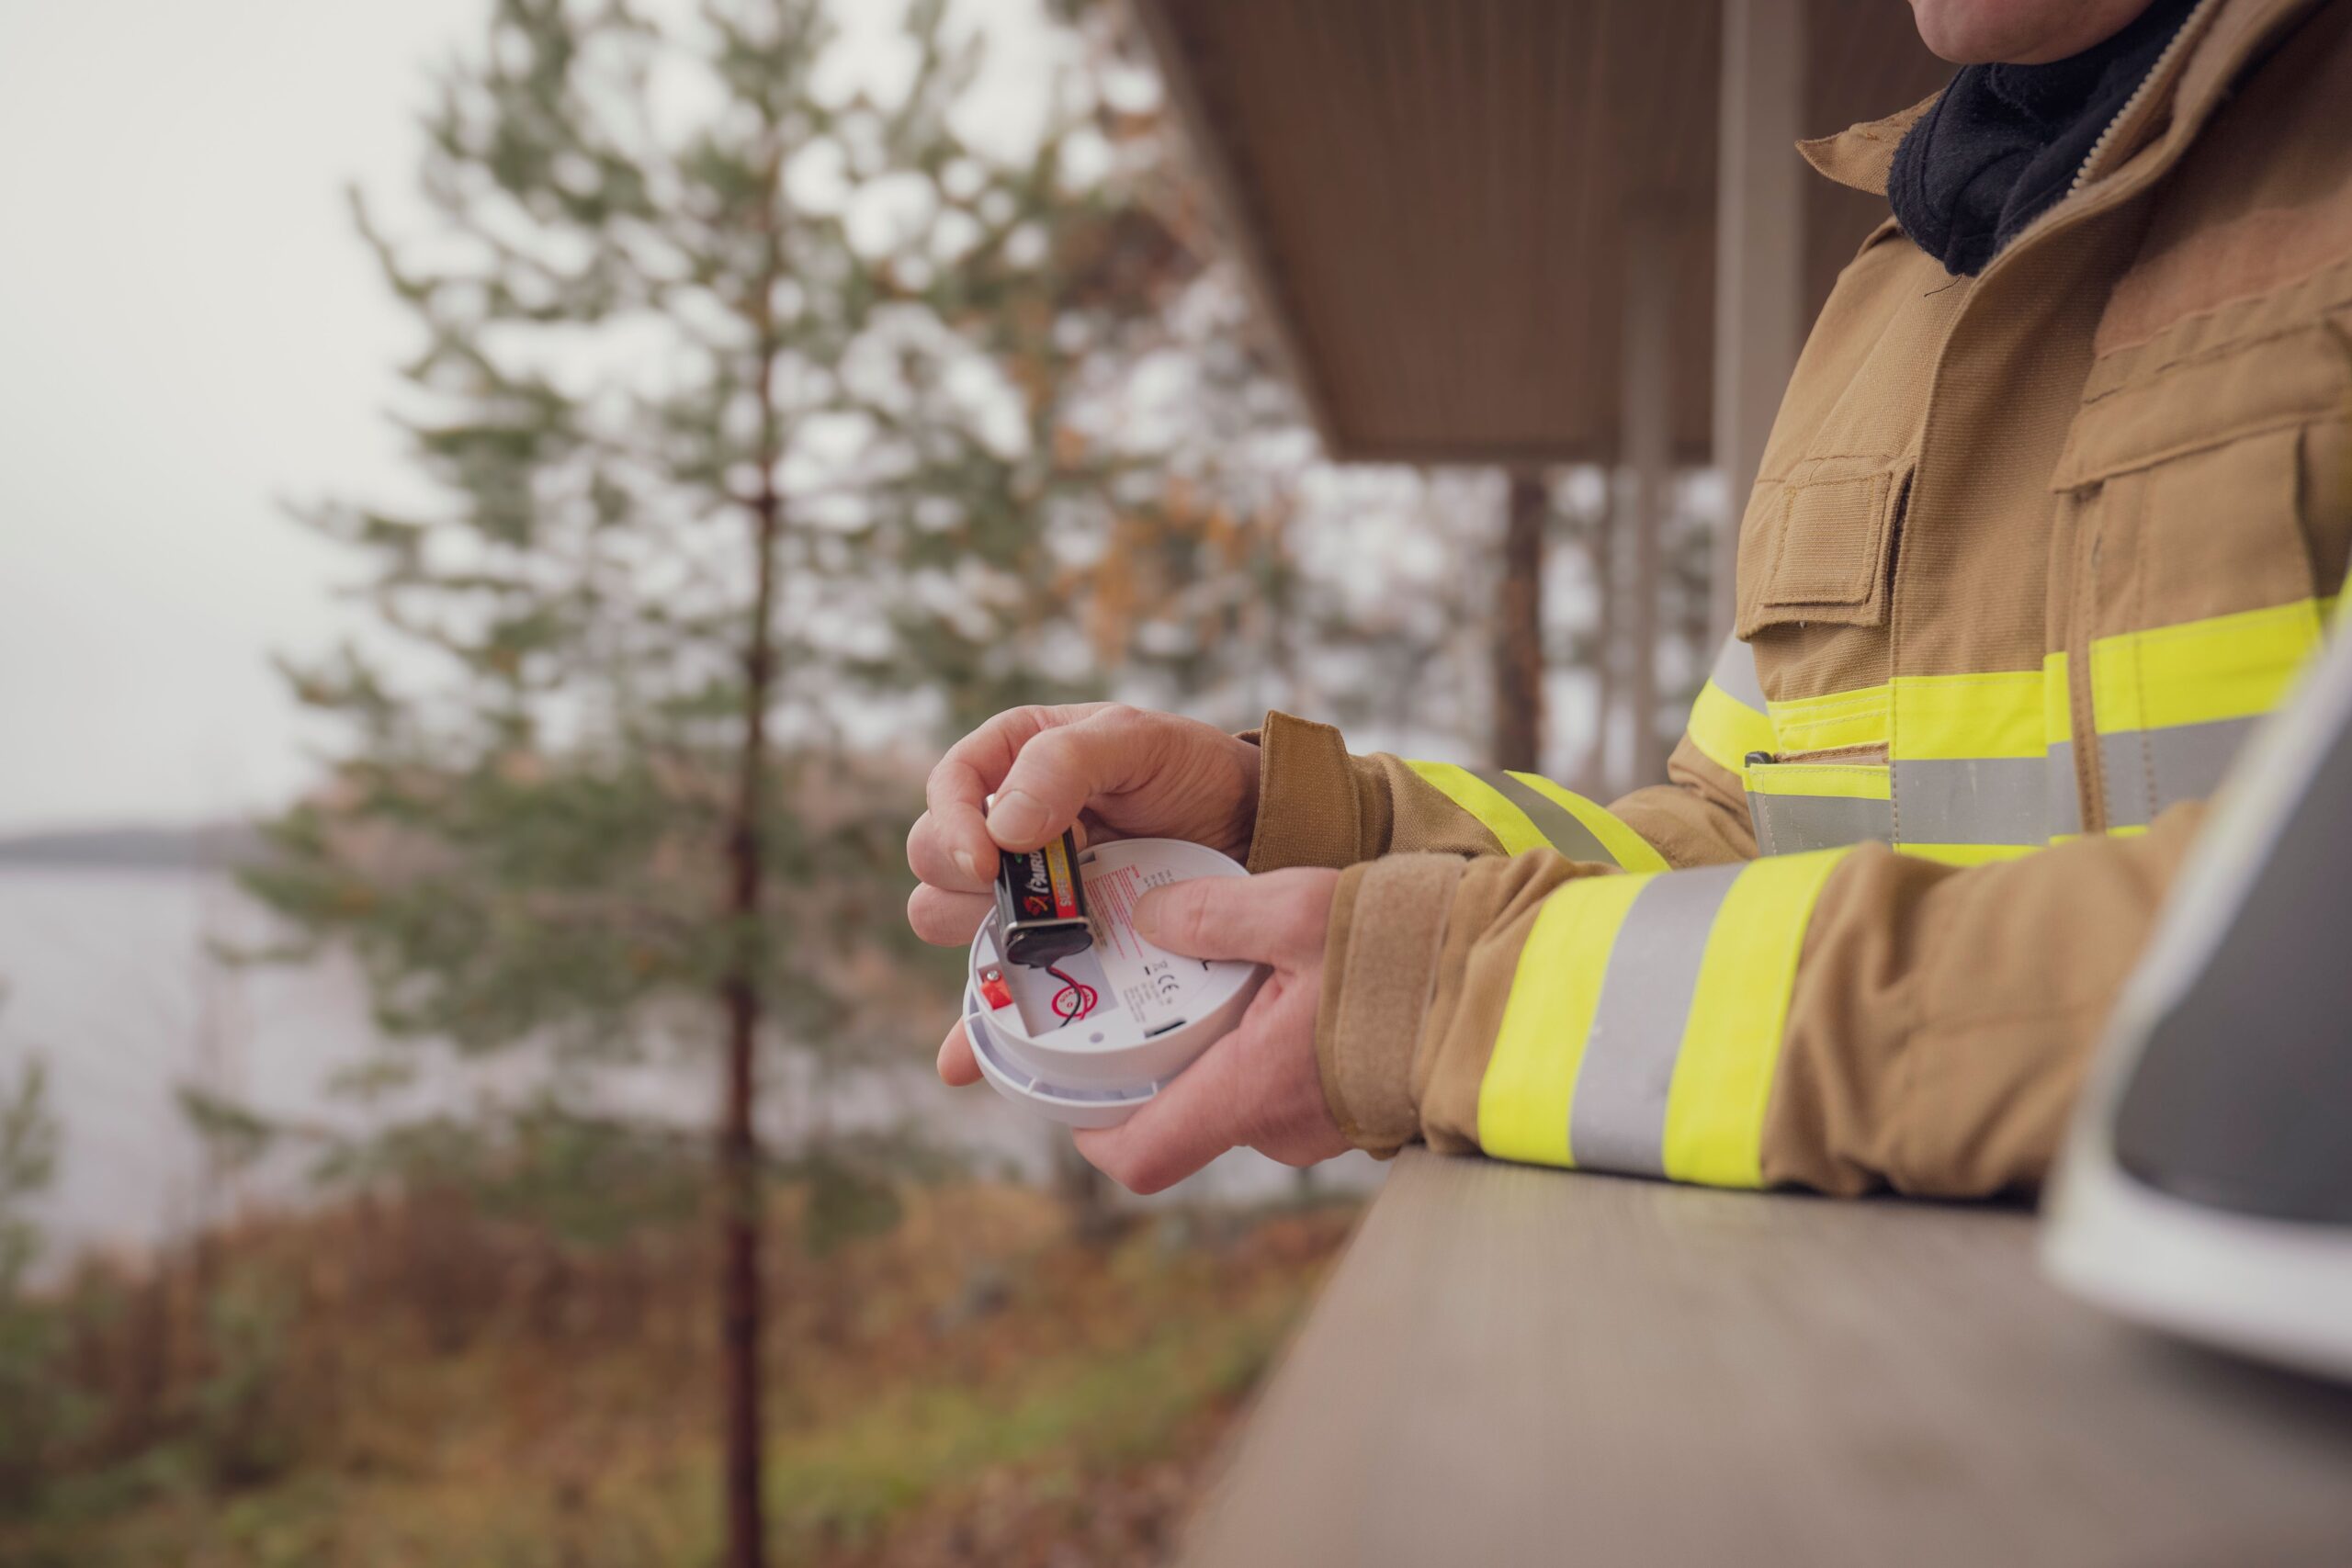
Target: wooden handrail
point(1514, 1365)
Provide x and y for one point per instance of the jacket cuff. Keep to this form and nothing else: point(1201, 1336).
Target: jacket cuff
point(1380, 962)
point(1317, 805)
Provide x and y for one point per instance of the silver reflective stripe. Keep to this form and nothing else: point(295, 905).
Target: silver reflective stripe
point(1734, 673)
point(1977, 800)
point(1617, 1119)
point(2063, 808)
point(1790, 824)
point(1552, 819)
point(2148, 769)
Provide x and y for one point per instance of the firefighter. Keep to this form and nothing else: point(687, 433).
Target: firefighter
point(2054, 509)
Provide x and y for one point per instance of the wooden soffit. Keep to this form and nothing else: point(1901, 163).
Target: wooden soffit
point(1434, 198)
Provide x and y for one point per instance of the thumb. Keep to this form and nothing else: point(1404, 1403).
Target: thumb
point(1276, 919)
point(1061, 769)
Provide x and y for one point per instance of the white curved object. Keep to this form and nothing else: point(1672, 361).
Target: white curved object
point(1154, 1012)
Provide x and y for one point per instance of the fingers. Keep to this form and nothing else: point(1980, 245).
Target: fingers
point(1178, 1131)
point(1278, 918)
point(1061, 768)
point(958, 788)
point(932, 861)
point(1258, 1087)
point(959, 1068)
point(946, 920)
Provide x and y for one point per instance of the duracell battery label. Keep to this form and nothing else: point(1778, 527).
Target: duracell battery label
point(1040, 906)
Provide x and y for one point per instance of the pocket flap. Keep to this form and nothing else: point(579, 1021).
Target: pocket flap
point(2133, 418)
point(1815, 546)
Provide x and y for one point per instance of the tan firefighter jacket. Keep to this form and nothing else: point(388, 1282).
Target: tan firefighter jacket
point(2027, 555)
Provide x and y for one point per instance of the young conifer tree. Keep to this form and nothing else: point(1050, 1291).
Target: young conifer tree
point(745, 395)
point(38, 1410)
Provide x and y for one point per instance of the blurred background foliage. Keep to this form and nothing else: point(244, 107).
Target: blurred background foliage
point(780, 432)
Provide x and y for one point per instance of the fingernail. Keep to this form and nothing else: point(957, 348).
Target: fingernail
point(1017, 817)
point(970, 863)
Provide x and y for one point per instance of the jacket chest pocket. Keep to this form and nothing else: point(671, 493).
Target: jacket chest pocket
point(1817, 547)
point(1816, 555)
point(2212, 533)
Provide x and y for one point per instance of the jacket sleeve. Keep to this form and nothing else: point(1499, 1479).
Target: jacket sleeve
point(1843, 1019)
point(1319, 805)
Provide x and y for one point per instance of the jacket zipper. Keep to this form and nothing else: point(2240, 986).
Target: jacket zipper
point(2082, 722)
point(2068, 211)
point(2171, 51)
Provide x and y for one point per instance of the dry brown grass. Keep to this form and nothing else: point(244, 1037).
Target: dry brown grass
point(416, 1382)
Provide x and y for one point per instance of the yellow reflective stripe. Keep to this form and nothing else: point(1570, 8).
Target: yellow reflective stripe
point(1725, 729)
point(1995, 715)
point(1967, 854)
point(2057, 700)
point(1705, 989)
point(2224, 667)
point(2231, 666)
point(1627, 848)
point(1507, 822)
point(1832, 721)
point(1845, 780)
point(1524, 1097)
point(1731, 1042)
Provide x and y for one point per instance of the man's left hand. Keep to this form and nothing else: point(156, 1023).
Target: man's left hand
point(1258, 1088)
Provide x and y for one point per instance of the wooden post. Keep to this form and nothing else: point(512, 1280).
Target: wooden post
point(1759, 252)
point(1519, 626)
point(1600, 770)
point(1644, 422)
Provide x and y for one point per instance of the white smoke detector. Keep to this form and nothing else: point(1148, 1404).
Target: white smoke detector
point(1089, 1045)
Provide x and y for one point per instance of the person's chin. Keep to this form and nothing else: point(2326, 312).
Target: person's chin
point(1970, 32)
point(2023, 32)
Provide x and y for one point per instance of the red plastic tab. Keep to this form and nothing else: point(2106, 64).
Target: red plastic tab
point(994, 991)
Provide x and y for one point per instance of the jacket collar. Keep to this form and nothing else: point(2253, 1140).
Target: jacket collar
point(2222, 35)
point(1860, 156)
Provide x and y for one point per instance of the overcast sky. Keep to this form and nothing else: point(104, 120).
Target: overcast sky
point(188, 330)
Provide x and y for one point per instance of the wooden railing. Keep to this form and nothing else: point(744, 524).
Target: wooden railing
point(1513, 1365)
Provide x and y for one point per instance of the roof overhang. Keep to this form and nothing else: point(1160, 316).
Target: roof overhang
point(1437, 201)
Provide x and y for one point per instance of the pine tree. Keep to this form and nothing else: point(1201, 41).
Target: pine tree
point(39, 1411)
point(749, 402)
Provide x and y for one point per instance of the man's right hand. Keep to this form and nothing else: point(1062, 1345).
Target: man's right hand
point(1122, 772)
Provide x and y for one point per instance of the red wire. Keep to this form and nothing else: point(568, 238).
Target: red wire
point(1074, 1000)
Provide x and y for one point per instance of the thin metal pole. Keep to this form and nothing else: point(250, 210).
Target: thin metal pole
point(1645, 418)
point(1759, 243)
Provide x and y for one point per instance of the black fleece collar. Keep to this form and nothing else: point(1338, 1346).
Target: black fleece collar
point(2004, 142)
